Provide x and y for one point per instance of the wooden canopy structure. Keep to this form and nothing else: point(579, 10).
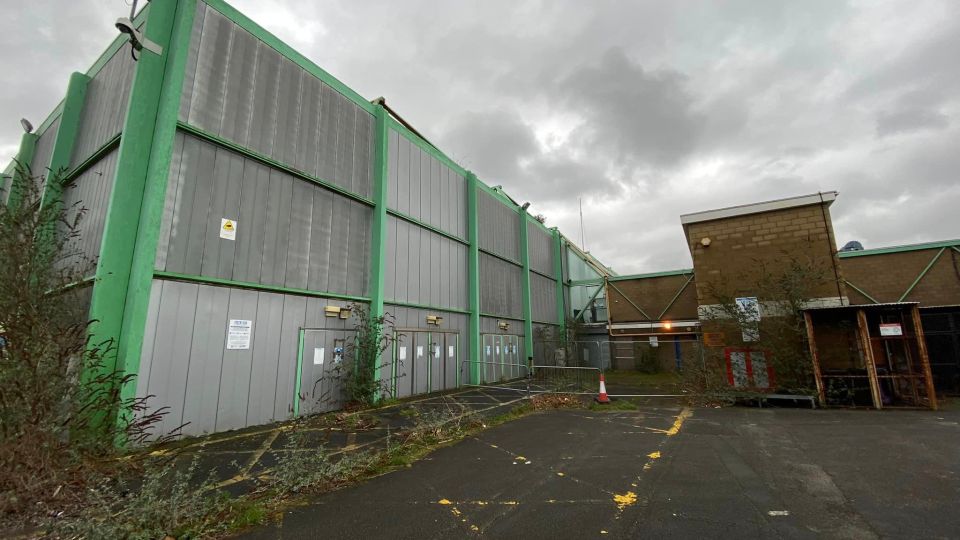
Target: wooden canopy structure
point(870, 355)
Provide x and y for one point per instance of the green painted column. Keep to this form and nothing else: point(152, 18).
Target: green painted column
point(66, 136)
point(558, 273)
point(473, 270)
point(525, 284)
point(22, 169)
point(121, 292)
point(378, 236)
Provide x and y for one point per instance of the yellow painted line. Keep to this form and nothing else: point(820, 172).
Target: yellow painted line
point(625, 500)
point(678, 423)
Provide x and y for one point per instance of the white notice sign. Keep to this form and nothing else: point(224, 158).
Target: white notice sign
point(403, 353)
point(436, 351)
point(318, 356)
point(654, 341)
point(891, 329)
point(228, 229)
point(419, 351)
point(450, 351)
point(238, 334)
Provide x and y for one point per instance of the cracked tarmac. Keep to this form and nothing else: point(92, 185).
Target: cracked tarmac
point(664, 471)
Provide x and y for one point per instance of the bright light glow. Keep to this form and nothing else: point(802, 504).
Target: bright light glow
point(668, 325)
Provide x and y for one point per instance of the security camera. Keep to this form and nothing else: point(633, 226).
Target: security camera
point(137, 39)
point(27, 126)
point(526, 205)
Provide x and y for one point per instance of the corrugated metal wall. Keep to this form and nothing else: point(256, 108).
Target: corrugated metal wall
point(89, 193)
point(489, 325)
point(500, 287)
point(499, 227)
point(543, 298)
point(423, 267)
point(540, 248)
point(241, 89)
point(424, 188)
point(44, 150)
point(105, 107)
point(186, 365)
point(289, 232)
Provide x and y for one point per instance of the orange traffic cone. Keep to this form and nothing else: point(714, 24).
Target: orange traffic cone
point(602, 397)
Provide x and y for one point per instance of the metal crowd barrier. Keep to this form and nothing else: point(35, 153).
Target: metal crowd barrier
point(541, 379)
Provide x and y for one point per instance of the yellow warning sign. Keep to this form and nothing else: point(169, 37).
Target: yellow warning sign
point(228, 229)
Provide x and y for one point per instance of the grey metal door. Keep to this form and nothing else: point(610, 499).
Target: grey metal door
point(321, 357)
point(513, 357)
point(403, 365)
point(421, 362)
point(498, 342)
point(451, 364)
point(488, 369)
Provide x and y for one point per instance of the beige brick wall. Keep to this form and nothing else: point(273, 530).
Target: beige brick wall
point(886, 276)
point(743, 247)
point(653, 295)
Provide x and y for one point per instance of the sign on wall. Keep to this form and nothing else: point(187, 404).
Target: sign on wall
point(228, 229)
point(891, 329)
point(714, 339)
point(238, 334)
point(748, 309)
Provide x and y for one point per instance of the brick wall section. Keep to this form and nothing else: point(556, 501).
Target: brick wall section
point(652, 294)
point(887, 276)
point(741, 244)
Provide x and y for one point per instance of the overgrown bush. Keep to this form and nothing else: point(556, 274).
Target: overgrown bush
point(365, 357)
point(58, 391)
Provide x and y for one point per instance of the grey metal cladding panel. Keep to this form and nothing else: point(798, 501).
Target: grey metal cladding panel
point(500, 292)
point(170, 364)
point(327, 147)
point(393, 146)
point(294, 317)
point(44, 149)
point(206, 358)
point(170, 202)
point(288, 112)
point(89, 194)
point(403, 175)
point(190, 71)
point(346, 143)
point(543, 298)
point(237, 365)
point(210, 81)
point(265, 368)
point(298, 251)
point(499, 227)
point(105, 105)
point(266, 88)
point(540, 245)
point(308, 139)
point(240, 85)
point(320, 240)
point(415, 181)
point(363, 153)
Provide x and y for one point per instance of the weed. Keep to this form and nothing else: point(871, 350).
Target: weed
point(617, 405)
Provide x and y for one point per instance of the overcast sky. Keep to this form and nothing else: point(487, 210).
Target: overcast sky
point(645, 110)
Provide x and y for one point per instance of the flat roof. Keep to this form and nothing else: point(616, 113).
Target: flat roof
point(900, 249)
point(756, 208)
point(681, 272)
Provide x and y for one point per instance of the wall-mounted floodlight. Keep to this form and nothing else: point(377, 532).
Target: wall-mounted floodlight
point(503, 325)
point(434, 320)
point(345, 313)
point(332, 311)
point(137, 40)
point(26, 125)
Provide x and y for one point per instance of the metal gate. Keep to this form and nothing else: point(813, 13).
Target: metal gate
point(424, 361)
point(319, 386)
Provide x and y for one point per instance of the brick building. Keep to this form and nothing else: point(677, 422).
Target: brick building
point(737, 250)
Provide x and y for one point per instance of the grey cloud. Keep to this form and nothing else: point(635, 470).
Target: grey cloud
point(913, 119)
point(492, 143)
point(633, 114)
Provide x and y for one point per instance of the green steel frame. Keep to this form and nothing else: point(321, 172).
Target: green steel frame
point(525, 284)
point(121, 293)
point(378, 237)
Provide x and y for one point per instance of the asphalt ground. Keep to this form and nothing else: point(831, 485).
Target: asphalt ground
point(665, 471)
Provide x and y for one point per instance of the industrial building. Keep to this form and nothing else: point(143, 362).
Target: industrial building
point(239, 198)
